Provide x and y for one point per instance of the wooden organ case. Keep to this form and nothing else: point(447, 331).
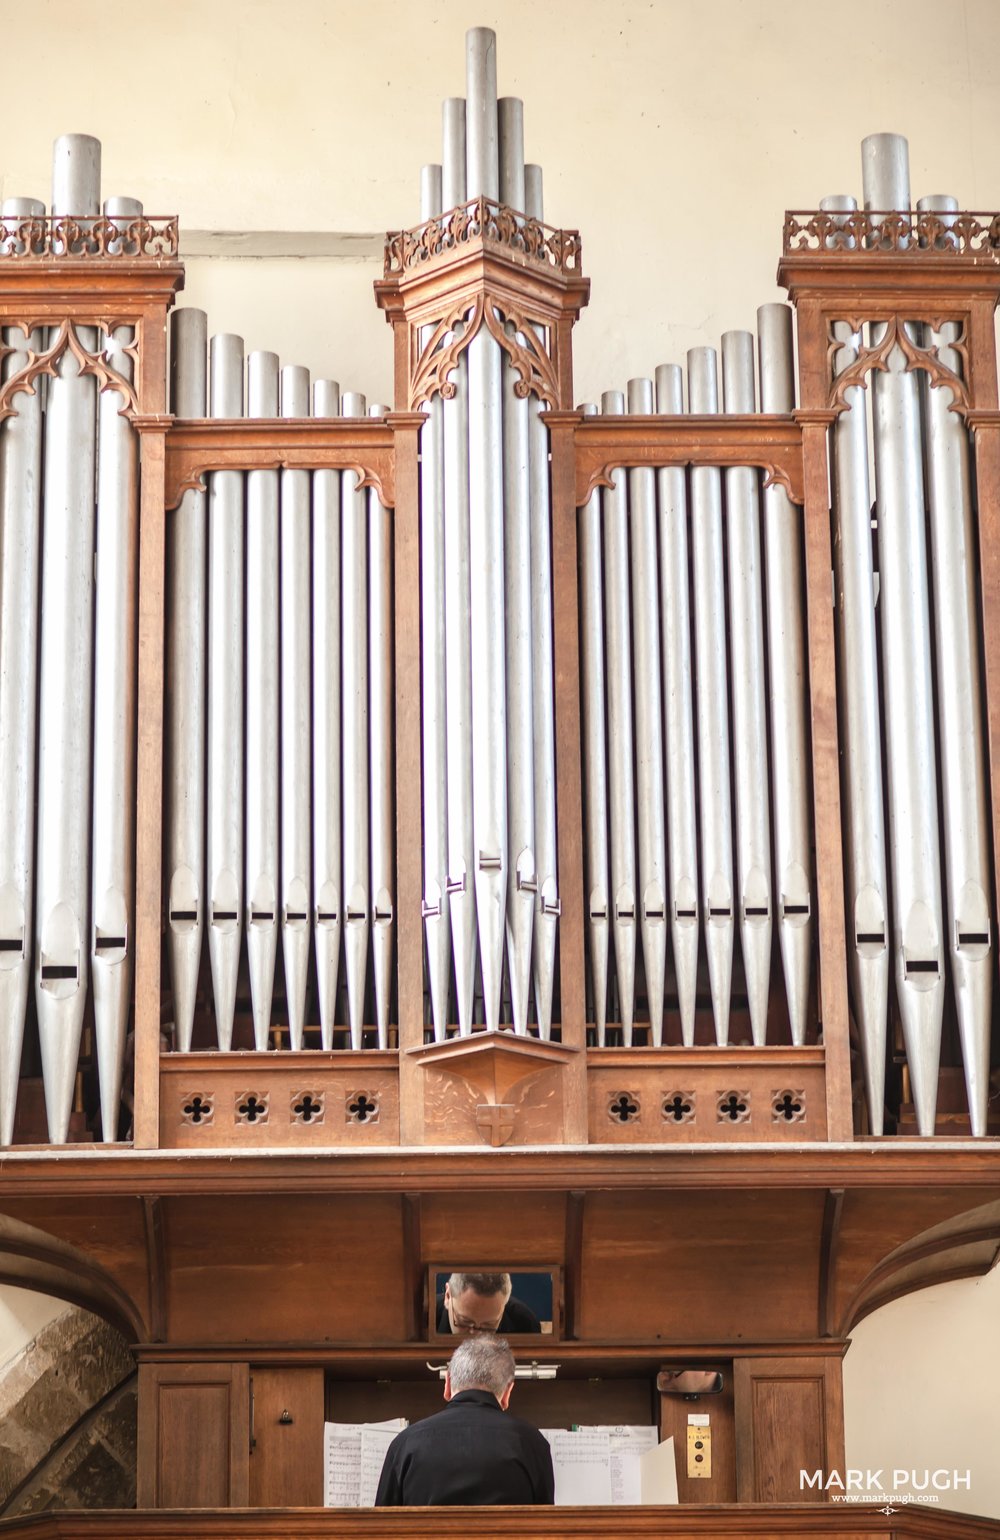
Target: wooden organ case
point(265, 1233)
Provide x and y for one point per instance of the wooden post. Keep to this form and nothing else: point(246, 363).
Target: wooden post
point(409, 819)
point(569, 799)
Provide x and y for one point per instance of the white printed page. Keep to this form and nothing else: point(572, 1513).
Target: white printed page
point(581, 1462)
point(350, 1450)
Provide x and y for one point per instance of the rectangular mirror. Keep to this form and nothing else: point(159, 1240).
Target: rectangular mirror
point(521, 1303)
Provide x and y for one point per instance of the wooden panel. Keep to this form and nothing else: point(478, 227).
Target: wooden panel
point(682, 1097)
point(720, 1487)
point(554, 1403)
point(698, 1267)
point(458, 1227)
point(286, 1267)
point(277, 1101)
point(193, 1440)
point(789, 1418)
point(286, 1460)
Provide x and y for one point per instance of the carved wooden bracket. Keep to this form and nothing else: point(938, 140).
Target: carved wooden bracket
point(493, 1064)
point(365, 445)
point(606, 444)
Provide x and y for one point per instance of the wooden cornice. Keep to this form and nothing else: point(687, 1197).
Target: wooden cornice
point(362, 444)
point(795, 1521)
point(866, 1164)
point(606, 443)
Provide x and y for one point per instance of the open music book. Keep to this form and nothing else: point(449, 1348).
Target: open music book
point(353, 1453)
point(612, 1464)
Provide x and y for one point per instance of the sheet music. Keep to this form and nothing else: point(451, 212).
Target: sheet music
point(612, 1464)
point(352, 1460)
point(581, 1461)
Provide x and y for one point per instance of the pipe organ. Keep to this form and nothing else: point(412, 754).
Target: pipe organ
point(484, 828)
point(693, 830)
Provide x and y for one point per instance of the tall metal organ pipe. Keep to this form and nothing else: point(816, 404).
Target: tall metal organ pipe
point(909, 692)
point(20, 536)
point(786, 652)
point(381, 748)
point(485, 450)
point(620, 779)
point(225, 696)
point(711, 702)
point(678, 673)
point(433, 642)
point(354, 697)
point(296, 735)
point(115, 681)
point(66, 681)
point(749, 710)
point(522, 884)
point(326, 696)
point(649, 769)
point(860, 720)
point(458, 620)
point(543, 684)
point(187, 609)
point(959, 705)
point(262, 698)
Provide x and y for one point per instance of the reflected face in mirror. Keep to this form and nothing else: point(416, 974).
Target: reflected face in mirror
point(689, 1382)
point(472, 1312)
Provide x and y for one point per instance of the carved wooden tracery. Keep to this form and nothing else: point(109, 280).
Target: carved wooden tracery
point(877, 357)
point(67, 339)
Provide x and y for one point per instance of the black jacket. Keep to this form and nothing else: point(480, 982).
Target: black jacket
point(517, 1317)
point(472, 1452)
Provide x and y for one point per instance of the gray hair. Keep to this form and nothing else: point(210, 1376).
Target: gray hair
point(484, 1284)
point(482, 1362)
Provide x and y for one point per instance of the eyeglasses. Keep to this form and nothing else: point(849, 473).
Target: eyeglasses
point(462, 1322)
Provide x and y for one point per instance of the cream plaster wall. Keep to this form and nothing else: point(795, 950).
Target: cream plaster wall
point(920, 1390)
point(23, 1314)
point(673, 135)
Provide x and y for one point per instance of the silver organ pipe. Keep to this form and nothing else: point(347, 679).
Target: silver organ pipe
point(543, 686)
point(649, 771)
point(115, 637)
point(965, 818)
point(908, 694)
point(749, 711)
point(594, 756)
point(711, 703)
point(296, 745)
point(618, 653)
point(66, 682)
point(860, 722)
point(458, 622)
point(382, 777)
point(433, 621)
point(786, 653)
point(225, 696)
point(522, 883)
point(262, 698)
point(489, 707)
point(354, 698)
point(326, 688)
point(675, 604)
point(187, 608)
point(20, 535)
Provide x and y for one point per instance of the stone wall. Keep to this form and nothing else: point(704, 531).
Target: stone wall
point(68, 1413)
